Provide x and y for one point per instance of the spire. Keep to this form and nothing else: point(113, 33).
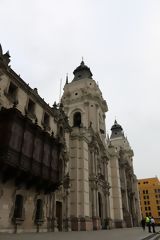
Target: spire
point(82, 62)
point(115, 121)
point(67, 78)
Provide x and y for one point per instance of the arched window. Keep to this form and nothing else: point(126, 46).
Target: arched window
point(77, 119)
point(39, 210)
point(18, 206)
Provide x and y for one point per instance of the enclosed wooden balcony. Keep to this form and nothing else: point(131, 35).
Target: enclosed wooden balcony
point(28, 154)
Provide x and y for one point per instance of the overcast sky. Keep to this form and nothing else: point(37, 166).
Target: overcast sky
point(120, 42)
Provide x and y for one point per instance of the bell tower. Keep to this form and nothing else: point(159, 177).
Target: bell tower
point(83, 96)
point(86, 108)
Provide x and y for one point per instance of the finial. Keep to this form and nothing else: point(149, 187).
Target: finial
point(82, 62)
point(35, 90)
point(6, 58)
point(66, 78)
point(55, 105)
point(61, 105)
point(115, 121)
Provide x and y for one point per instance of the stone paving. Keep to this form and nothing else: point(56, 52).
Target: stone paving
point(114, 234)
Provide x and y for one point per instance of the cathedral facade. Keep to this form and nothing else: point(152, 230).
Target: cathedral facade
point(60, 171)
point(103, 189)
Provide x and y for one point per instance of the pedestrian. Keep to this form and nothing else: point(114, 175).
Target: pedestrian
point(143, 223)
point(153, 224)
point(148, 224)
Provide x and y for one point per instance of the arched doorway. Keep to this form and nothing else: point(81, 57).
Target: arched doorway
point(18, 209)
point(59, 215)
point(39, 213)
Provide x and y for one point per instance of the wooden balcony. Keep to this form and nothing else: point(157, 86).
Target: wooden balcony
point(28, 154)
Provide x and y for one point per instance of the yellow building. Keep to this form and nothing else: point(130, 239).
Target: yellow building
point(149, 191)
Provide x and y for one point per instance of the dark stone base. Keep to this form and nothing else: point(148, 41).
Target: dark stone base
point(96, 223)
point(66, 225)
point(128, 221)
point(81, 224)
point(119, 224)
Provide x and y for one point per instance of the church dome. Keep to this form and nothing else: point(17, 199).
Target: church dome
point(116, 126)
point(82, 71)
point(117, 130)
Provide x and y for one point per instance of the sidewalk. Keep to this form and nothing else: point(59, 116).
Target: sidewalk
point(114, 234)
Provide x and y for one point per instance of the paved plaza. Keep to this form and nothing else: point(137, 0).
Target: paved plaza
point(114, 234)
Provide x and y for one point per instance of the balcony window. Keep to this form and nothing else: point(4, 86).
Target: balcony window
point(31, 106)
point(46, 121)
point(12, 92)
point(30, 109)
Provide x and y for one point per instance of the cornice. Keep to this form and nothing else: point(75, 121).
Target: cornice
point(57, 113)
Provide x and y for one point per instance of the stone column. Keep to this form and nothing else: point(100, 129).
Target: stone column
point(116, 196)
point(125, 187)
point(93, 161)
point(54, 219)
point(95, 216)
point(126, 212)
point(66, 219)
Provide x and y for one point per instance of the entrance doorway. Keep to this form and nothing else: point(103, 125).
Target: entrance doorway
point(59, 215)
point(100, 205)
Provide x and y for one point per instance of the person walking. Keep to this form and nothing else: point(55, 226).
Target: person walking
point(148, 224)
point(153, 224)
point(143, 223)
